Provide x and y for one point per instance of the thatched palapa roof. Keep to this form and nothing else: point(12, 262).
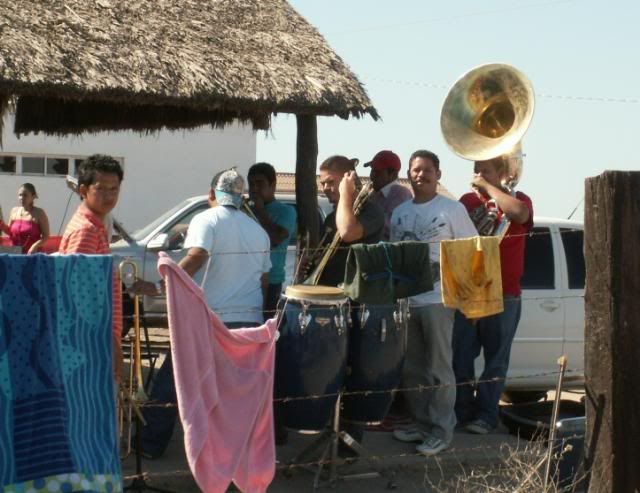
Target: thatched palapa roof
point(76, 65)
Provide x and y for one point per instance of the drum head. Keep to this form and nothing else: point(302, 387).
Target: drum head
point(314, 293)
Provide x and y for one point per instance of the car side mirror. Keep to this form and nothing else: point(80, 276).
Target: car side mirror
point(160, 242)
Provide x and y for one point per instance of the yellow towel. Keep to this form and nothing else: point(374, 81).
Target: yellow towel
point(470, 274)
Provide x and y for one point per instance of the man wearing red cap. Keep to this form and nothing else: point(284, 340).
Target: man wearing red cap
point(385, 166)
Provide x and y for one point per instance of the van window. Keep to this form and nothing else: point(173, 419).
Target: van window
point(539, 270)
point(572, 240)
point(178, 230)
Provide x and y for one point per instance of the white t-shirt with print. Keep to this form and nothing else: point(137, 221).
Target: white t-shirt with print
point(239, 255)
point(439, 219)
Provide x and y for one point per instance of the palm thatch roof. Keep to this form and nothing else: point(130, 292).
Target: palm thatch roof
point(87, 65)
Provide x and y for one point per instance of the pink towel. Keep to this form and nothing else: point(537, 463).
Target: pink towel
point(224, 384)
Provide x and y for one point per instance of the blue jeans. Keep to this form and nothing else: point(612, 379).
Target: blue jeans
point(156, 434)
point(494, 336)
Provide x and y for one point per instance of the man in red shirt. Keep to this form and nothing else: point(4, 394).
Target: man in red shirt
point(489, 205)
point(99, 179)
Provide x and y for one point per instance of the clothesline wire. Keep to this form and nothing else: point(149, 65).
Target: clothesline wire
point(564, 97)
point(316, 308)
point(419, 388)
point(429, 242)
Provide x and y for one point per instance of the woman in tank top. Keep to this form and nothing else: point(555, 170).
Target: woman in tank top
point(28, 225)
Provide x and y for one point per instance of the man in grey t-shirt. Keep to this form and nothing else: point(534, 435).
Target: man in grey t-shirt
point(338, 180)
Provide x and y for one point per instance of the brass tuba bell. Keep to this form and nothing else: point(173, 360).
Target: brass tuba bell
point(486, 113)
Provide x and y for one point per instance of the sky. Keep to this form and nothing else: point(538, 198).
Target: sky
point(582, 57)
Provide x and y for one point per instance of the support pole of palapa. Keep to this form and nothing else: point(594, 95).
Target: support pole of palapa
point(306, 187)
point(612, 335)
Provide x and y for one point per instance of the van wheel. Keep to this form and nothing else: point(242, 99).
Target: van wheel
point(523, 396)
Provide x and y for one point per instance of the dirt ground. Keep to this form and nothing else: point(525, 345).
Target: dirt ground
point(403, 469)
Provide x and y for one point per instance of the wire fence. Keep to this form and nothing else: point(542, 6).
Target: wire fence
point(321, 248)
point(380, 459)
point(311, 309)
point(420, 388)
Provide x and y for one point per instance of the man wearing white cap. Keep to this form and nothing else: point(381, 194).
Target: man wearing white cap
point(385, 166)
point(230, 252)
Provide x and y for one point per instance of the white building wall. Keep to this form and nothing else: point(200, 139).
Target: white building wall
point(160, 169)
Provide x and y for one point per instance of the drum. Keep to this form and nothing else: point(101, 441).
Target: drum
point(311, 354)
point(377, 346)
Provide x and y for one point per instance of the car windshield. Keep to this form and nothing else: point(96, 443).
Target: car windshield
point(143, 232)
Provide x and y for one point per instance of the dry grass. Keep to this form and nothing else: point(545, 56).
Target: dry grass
point(172, 63)
point(521, 470)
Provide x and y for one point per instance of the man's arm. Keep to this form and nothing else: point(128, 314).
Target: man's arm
point(191, 263)
point(277, 234)
point(347, 224)
point(195, 259)
point(513, 208)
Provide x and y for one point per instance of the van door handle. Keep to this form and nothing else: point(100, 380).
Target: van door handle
point(550, 306)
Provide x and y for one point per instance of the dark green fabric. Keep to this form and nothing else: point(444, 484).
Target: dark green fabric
point(384, 272)
point(372, 220)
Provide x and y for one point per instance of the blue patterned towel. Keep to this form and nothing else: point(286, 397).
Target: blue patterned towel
point(57, 403)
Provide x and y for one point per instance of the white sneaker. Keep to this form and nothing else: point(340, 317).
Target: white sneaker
point(432, 445)
point(409, 435)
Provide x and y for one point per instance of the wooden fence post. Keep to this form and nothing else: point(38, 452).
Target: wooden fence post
point(306, 187)
point(612, 332)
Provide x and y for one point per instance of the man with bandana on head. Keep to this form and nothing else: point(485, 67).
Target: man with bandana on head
point(228, 255)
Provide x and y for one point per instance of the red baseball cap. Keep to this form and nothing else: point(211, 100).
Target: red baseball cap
point(385, 160)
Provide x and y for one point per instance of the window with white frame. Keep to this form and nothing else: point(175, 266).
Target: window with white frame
point(57, 166)
point(8, 163)
point(29, 164)
point(33, 165)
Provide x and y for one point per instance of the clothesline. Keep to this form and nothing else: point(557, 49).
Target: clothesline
point(346, 247)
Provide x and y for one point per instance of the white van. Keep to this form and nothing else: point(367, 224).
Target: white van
point(552, 321)
point(167, 234)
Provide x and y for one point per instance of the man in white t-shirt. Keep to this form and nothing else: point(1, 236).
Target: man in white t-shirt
point(229, 255)
point(431, 218)
point(229, 252)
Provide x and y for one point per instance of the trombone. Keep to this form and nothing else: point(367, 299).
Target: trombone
point(246, 208)
point(128, 270)
point(313, 279)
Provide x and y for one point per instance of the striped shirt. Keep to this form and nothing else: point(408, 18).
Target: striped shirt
point(85, 233)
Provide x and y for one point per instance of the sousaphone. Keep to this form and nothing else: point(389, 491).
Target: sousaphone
point(485, 115)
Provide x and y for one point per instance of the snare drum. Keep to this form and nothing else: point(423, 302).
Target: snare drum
point(377, 346)
point(311, 354)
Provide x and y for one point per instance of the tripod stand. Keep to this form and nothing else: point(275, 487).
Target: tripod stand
point(139, 483)
point(129, 272)
point(329, 441)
